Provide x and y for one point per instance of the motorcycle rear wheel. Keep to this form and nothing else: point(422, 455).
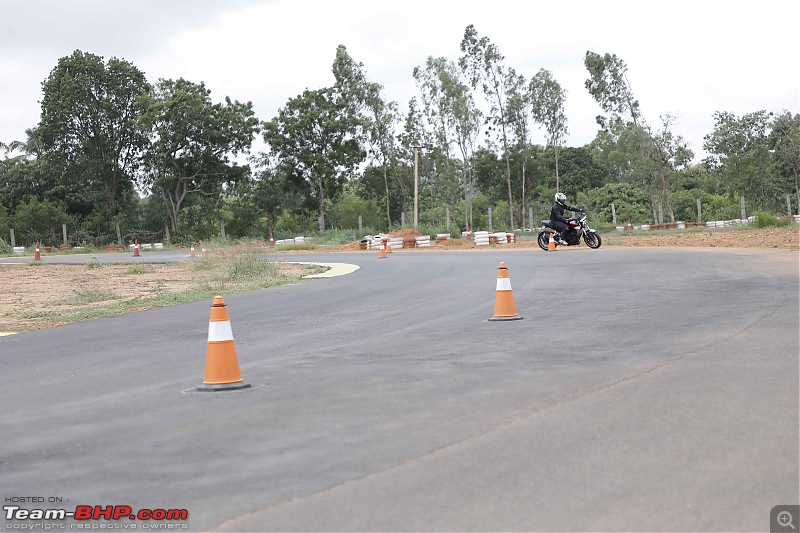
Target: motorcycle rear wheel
point(592, 240)
point(543, 240)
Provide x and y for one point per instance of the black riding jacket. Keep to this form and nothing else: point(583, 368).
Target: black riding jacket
point(557, 212)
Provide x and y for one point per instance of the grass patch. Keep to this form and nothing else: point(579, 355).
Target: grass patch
point(139, 269)
point(89, 297)
point(223, 270)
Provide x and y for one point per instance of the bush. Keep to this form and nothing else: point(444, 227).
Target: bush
point(5, 248)
point(767, 220)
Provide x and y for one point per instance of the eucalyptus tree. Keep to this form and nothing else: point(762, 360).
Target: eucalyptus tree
point(483, 64)
point(785, 143)
point(90, 124)
point(658, 151)
point(547, 107)
point(313, 140)
point(520, 111)
point(451, 109)
point(193, 141)
point(378, 117)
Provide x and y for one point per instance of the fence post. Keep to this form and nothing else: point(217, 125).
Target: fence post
point(222, 227)
point(119, 236)
point(13, 240)
point(744, 214)
point(613, 214)
point(490, 220)
point(699, 213)
point(64, 230)
point(360, 223)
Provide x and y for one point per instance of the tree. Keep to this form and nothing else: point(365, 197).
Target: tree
point(313, 140)
point(378, 117)
point(656, 152)
point(90, 124)
point(483, 63)
point(547, 98)
point(193, 140)
point(451, 109)
point(785, 143)
point(739, 152)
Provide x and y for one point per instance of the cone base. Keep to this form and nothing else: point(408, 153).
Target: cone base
point(223, 387)
point(503, 318)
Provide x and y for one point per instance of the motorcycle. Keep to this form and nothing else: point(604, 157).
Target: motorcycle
point(578, 228)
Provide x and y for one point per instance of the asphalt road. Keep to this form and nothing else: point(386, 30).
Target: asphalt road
point(644, 390)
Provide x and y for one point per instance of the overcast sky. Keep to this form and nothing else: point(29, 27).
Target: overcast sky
point(689, 58)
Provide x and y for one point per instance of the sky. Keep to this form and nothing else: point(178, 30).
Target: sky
point(687, 58)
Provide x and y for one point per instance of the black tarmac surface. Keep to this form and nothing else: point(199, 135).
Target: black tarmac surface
point(644, 390)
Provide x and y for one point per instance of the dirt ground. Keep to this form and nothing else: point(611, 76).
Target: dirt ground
point(27, 291)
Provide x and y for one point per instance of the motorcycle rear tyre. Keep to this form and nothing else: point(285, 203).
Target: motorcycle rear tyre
point(543, 240)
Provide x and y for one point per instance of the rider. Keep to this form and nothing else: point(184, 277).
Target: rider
point(557, 219)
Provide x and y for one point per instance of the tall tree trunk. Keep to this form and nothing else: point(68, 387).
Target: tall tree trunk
point(386, 186)
point(321, 218)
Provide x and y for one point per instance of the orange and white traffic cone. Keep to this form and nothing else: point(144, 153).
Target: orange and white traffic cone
point(37, 255)
point(629, 226)
point(388, 246)
point(504, 308)
point(222, 366)
point(191, 251)
point(382, 251)
point(136, 248)
point(271, 241)
point(551, 244)
point(202, 249)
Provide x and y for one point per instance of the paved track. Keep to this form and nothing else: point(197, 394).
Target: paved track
point(664, 397)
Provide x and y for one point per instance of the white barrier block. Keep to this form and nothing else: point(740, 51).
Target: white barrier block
point(19, 249)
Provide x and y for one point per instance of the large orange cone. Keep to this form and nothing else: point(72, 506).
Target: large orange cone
point(136, 248)
point(222, 366)
point(551, 244)
point(191, 251)
point(37, 255)
point(388, 246)
point(629, 226)
point(504, 308)
point(382, 252)
point(271, 241)
point(202, 249)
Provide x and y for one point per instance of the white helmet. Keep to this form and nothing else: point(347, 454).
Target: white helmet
point(561, 198)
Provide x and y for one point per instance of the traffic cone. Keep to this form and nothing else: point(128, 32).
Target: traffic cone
point(136, 248)
point(551, 244)
point(191, 251)
point(382, 252)
point(222, 366)
point(37, 256)
point(504, 308)
point(388, 246)
point(202, 249)
point(271, 241)
point(629, 226)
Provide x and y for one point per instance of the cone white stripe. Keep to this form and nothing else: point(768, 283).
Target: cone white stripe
point(503, 284)
point(220, 331)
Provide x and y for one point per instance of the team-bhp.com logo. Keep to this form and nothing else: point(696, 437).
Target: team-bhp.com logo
point(89, 516)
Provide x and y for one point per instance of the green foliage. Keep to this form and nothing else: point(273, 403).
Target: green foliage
point(767, 220)
point(629, 202)
point(5, 248)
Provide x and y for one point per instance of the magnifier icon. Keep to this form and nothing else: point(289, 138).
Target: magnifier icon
point(785, 519)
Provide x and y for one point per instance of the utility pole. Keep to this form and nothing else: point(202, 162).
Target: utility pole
point(416, 185)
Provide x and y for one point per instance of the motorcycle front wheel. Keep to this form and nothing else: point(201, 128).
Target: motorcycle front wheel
point(543, 240)
point(592, 240)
